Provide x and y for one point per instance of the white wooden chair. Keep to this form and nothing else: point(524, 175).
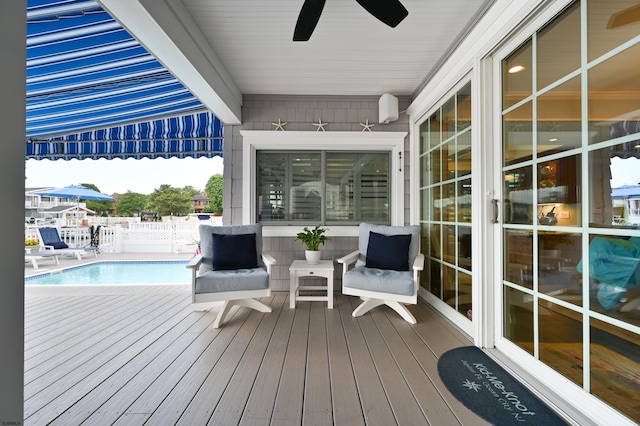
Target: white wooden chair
point(385, 268)
point(231, 269)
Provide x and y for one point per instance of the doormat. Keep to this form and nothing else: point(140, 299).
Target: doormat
point(489, 391)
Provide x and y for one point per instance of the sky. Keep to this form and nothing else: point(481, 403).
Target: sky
point(625, 172)
point(145, 175)
point(119, 176)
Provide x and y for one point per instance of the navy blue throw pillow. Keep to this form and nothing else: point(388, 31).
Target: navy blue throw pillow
point(234, 251)
point(388, 251)
point(59, 245)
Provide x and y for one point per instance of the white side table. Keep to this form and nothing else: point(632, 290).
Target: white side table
point(300, 268)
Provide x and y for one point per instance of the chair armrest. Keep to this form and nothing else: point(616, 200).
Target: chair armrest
point(268, 262)
point(418, 263)
point(268, 259)
point(349, 258)
point(195, 262)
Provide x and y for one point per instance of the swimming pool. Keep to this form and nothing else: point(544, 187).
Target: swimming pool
point(117, 272)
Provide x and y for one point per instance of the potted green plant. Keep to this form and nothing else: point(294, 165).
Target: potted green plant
point(312, 239)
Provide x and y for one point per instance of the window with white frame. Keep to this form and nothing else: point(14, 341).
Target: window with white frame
point(341, 178)
point(323, 187)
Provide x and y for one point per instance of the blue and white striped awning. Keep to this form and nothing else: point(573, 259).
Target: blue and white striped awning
point(186, 136)
point(88, 78)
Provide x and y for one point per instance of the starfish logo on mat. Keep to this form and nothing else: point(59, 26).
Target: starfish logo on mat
point(471, 385)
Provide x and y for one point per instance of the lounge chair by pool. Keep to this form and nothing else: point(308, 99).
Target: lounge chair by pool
point(50, 241)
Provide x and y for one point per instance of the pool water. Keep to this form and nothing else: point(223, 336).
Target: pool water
point(109, 273)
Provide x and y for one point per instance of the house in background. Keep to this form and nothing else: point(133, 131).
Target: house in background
point(626, 203)
point(200, 201)
point(40, 209)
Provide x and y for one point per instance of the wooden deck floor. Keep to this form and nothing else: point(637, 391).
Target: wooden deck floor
point(140, 355)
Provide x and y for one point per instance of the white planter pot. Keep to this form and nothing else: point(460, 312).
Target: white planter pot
point(313, 257)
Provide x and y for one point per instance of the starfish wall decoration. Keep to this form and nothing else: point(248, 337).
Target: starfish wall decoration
point(320, 125)
point(279, 125)
point(366, 127)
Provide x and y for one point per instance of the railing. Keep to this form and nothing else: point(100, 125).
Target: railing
point(148, 237)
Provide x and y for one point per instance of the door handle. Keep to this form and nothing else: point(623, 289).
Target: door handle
point(496, 210)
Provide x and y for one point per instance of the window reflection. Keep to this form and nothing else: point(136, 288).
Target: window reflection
point(559, 254)
point(560, 38)
point(516, 76)
point(614, 193)
point(518, 191)
point(518, 318)
point(518, 134)
point(610, 25)
point(614, 103)
point(614, 276)
point(559, 118)
point(615, 353)
point(446, 200)
point(518, 267)
point(561, 339)
point(572, 227)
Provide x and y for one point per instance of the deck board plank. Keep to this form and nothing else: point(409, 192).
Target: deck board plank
point(344, 389)
point(136, 359)
point(76, 384)
point(203, 404)
point(232, 403)
point(181, 395)
point(405, 408)
point(109, 400)
point(434, 407)
point(70, 341)
point(288, 405)
point(373, 398)
point(317, 390)
point(259, 407)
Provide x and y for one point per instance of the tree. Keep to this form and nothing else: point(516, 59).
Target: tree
point(131, 204)
point(100, 207)
point(190, 190)
point(214, 190)
point(167, 200)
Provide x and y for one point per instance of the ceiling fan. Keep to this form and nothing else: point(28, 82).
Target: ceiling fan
point(391, 12)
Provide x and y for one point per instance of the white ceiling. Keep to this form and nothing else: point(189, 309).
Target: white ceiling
point(223, 49)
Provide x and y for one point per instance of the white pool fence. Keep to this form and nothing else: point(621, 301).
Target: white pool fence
point(146, 237)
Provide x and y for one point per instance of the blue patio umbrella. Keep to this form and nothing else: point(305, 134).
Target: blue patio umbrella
point(76, 192)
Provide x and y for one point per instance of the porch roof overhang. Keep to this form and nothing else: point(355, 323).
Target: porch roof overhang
point(93, 91)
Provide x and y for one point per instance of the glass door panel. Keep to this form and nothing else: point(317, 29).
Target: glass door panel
point(571, 190)
point(445, 193)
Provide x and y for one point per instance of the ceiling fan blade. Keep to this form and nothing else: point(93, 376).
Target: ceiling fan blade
point(391, 12)
point(624, 17)
point(308, 19)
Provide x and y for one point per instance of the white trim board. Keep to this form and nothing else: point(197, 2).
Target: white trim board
point(254, 140)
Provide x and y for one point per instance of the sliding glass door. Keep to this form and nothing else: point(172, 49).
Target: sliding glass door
point(571, 190)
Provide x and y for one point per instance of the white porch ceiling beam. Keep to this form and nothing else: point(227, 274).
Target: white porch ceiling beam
point(168, 32)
